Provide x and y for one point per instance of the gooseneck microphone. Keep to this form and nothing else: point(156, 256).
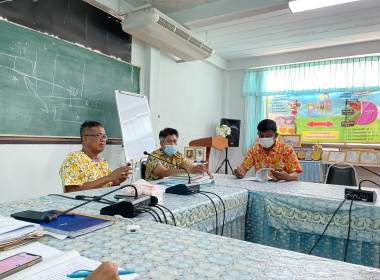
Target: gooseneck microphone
point(43, 217)
point(181, 189)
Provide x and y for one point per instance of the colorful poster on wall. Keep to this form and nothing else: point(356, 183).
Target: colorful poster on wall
point(352, 117)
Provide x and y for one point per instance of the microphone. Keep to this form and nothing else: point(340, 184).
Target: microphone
point(43, 217)
point(181, 189)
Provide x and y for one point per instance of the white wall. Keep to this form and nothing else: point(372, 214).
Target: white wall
point(187, 96)
point(29, 171)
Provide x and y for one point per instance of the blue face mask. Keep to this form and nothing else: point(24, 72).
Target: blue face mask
point(170, 150)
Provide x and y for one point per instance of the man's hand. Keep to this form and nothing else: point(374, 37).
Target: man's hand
point(200, 169)
point(240, 172)
point(120, 175)
point(280, 174)
point(106, 271)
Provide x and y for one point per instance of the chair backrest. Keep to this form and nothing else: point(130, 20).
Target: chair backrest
point(342, 173)
point(143, 169)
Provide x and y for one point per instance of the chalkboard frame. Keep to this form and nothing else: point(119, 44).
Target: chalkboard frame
point(36, 139)
point(10, 139)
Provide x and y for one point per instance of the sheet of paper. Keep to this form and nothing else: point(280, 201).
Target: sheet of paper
point(263, 174)
point(11, 228)
point(79, 263)
point(50, 257)
point(55, 264)
point(250, 179)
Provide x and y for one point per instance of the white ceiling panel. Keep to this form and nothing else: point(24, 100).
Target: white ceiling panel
point(239, 29)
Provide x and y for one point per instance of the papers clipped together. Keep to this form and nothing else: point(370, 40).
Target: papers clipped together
point(15, 232)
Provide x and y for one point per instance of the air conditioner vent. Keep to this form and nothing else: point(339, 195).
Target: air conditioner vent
point(164, 23)
point(182, 34)
point(195, 42)
point(207, 49)
point(163, 33)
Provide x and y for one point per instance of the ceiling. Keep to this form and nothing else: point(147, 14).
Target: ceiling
point(239, 29)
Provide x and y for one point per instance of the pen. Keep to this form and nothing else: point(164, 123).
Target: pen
point(85, 273)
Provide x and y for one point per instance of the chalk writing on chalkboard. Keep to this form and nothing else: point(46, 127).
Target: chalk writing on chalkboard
point(49, 87)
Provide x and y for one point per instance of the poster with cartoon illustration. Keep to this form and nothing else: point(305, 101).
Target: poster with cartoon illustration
point(352, 117)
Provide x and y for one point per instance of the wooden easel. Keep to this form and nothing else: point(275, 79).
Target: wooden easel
point(219, 143)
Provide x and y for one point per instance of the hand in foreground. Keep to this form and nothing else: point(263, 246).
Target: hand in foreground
point(120, 175)
point(200, 168)
point(106, 271)
point(240, 172)
point(280, 174)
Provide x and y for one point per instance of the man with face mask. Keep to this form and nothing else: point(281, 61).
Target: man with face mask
point(271, 154)
point(157, 169)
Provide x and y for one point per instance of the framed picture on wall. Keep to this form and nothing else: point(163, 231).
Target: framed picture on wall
point(368, 157)
point(189, 153)
point(200, 154)
point(337, 156)
point(352, 156)
point(292, 140)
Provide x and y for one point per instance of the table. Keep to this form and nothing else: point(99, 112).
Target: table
point(312, 171)
point(164, 252)
point(292, 215)
point(192, 211)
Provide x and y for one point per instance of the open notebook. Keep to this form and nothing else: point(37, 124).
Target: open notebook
point(55, 264)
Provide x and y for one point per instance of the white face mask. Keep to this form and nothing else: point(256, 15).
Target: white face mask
point(266, 142)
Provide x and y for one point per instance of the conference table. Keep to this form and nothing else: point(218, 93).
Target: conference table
point(194, 211)
point(292, 216)
point(160, 251)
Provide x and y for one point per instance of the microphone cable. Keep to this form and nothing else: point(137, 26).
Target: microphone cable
point(146, 211)
point(98, 198)
point(224, 208)
point(344, 200)
point(216, 212)
point(163, 213)
point(171, 213)
point(95, 198)
point(149, 209)
point(349, 229)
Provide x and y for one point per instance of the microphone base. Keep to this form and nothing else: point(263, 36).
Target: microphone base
point(184, 189)
point(362, 195)
point(127, 209)
point(34, 216)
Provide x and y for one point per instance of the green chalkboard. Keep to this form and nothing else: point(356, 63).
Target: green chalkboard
point(48, 87)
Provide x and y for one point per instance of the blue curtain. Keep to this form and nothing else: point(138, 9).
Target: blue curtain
point(341, 75)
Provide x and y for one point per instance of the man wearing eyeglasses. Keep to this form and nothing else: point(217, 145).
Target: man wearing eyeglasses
point(85, 169)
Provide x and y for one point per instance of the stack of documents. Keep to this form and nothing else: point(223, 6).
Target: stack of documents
point(183, 178)
point(55, 264)
point(14, 232)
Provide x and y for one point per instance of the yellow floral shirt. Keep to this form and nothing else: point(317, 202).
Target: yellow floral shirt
point(78, 168)
point(152, 163)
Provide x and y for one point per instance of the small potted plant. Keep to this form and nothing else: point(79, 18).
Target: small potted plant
point(317, 152)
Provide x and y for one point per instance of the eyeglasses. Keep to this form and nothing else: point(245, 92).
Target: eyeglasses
point(100, 136)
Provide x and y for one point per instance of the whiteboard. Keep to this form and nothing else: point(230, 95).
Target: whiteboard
point(136, 126)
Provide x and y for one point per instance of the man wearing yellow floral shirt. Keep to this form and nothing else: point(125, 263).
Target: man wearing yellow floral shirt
point(271, 154)
point(85, 169)
point(157, 169)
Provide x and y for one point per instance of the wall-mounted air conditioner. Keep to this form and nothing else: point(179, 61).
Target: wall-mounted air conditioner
point(158, 30)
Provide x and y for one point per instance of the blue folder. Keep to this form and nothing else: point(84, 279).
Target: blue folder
point(75, 224)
